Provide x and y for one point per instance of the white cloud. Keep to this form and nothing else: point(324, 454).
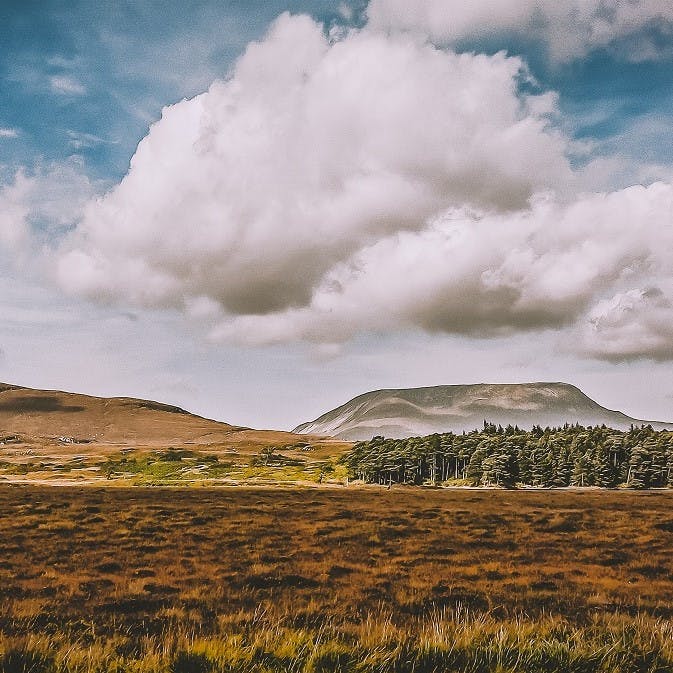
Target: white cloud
point(9, 133)
point(346, 11)
point(14, 211)
point(632, 324)
point(250, 193)
point(66, 86)
point(36, 207)
point(80, 140)
point(579, 266)
point(376, 183)
point(571, 28)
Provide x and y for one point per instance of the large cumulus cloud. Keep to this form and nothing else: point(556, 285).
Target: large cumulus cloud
point(570, 28)
point(371, 181)
point(251, 192)
point(597, 269)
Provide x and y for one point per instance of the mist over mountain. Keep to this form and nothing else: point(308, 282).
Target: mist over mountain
point(457, 408)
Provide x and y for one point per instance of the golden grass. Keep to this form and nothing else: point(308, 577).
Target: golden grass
point(364, 580)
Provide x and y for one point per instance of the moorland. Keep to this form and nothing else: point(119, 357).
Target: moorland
point(58, 438)
point(365, 579)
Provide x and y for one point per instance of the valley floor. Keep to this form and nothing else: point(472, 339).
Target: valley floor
point(198, 580)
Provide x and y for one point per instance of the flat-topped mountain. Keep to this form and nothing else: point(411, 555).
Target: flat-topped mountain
point(457, 408)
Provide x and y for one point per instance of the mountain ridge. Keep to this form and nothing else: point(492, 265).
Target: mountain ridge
point(407, 412)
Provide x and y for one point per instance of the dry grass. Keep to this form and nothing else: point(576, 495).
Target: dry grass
point(66, 437)
point(334, 580)
point(241, 459)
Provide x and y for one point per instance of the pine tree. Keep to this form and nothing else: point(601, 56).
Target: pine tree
point(475, 468)
point(639, 468)
point(582, 474)
point(606, 474)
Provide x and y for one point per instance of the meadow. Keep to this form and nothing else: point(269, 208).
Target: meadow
point(249, 462)
point(334, 579)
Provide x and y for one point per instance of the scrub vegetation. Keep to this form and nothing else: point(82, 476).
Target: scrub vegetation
point(301, 462)
point(360, 579)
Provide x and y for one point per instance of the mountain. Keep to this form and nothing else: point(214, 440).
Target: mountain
point(44, 416)
point(423, 411)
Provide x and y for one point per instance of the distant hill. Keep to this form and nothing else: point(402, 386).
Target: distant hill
point(48, 415)
point(457, 408)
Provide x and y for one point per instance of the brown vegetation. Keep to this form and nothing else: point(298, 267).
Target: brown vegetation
point(142, 575)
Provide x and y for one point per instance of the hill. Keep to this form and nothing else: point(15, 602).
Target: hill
point(59, 438)
point(84, 419)
point(457, 408)
point(45, 417)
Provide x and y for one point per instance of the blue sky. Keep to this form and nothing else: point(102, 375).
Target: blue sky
point(82, 83)
point(88, 78)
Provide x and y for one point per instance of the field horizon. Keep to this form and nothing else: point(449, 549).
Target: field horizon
point(59, 438)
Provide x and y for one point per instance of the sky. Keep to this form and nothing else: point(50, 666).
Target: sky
point(258, 210)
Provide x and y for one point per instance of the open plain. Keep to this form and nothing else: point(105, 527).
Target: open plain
point(334, 579)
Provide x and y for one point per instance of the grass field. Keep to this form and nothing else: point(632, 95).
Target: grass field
point(358, 579)
point(248, 457)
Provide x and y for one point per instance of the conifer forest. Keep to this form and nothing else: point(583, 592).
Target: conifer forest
point(510, 457)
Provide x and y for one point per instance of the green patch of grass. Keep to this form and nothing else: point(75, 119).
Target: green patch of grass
point(300, 472)
point(23, 468)
point(181, 467)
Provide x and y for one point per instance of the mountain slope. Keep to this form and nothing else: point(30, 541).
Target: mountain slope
point(422, 411)
point(46, 415)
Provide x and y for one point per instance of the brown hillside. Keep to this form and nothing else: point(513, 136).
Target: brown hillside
point(52, 414)
point(47, 416)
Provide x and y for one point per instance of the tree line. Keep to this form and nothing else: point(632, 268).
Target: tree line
point(572, 455)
